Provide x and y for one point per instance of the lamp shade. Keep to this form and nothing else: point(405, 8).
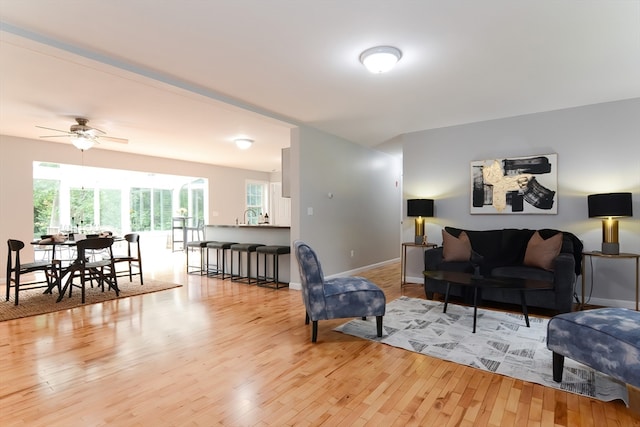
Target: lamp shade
point(420, 207)
point(610, 205)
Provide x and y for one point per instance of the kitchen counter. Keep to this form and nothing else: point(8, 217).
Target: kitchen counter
point(264, 234)
point(249, 226)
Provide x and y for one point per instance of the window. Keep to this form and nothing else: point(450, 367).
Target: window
point(140, 209)
point(192, 200)
point(118, 201)
point(46, 205)
point(162, 210)
point(82, 208)
point(110, 209)
point(257, 201)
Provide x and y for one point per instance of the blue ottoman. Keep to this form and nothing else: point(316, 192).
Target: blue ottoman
point(605, 339)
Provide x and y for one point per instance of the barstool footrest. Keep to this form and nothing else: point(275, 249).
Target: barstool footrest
point(275, 251)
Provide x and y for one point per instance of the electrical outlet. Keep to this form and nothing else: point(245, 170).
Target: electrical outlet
point(352, 253)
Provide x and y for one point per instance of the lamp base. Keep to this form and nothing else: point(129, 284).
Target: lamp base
point(419, 240)
point(610, 248)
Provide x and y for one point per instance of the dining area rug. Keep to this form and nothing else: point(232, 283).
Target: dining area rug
point(34, 301)
point(502, 344)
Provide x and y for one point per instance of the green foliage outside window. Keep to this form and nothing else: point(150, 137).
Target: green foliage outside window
point(82, 207)
point(111, 210)
point(162, 205)
point(140, 209)
point(46, 205)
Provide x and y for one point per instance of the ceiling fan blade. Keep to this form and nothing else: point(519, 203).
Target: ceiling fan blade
point(114, 139)
point(57, 130)
point(54, 136)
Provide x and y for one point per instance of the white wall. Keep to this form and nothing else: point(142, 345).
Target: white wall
point(598, 149)
point(226, 185)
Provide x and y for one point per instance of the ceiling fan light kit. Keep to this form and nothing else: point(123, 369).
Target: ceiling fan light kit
point(380, 59)
point(81, 142)
point(82, 135)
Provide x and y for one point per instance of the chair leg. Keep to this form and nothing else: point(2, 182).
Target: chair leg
point(558, 366)
point(306, 318)
point(17, 287)
point(379, 325)
point(314, 331)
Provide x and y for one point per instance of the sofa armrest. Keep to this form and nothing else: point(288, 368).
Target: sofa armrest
point(564, 281)
point(432, 258)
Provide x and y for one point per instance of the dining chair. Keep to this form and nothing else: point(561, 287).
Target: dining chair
point(133, 258)
point(15, 269)
point(87, 270)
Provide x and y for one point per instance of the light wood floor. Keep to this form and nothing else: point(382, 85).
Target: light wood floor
point(219, 353)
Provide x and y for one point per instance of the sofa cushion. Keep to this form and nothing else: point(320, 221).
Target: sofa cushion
point(522, 272)
point(455, 248)
point(541, 252)
point(514, 245)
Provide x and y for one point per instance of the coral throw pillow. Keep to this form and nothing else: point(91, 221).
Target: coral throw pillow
point(455, 248)
point(541, 253)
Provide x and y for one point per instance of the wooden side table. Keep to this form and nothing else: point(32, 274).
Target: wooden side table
point(618, 256)
point(403, 260)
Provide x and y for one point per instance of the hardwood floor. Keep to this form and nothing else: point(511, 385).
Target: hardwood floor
point(219, 353)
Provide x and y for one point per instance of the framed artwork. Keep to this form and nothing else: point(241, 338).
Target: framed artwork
point(517, 185)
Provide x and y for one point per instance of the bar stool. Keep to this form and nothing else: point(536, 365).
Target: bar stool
point(201, 246)
point(220, 248)
point(275, 251)
point(249, 248)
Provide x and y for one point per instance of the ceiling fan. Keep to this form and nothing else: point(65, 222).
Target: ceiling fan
point(82, 135)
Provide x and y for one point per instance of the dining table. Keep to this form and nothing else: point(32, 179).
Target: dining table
point(64, 267)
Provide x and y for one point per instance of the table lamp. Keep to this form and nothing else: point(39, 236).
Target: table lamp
point(420, 208)
point(609, 207)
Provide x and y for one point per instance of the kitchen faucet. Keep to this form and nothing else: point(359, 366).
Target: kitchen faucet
point(244, 216)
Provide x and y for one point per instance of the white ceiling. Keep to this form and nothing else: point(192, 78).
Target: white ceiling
point(182, 78)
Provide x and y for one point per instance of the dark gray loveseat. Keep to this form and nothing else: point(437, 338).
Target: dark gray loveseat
point(503, 252)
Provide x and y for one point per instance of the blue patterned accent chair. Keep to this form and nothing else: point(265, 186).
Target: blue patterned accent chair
point(606, 339)
point(336, 298)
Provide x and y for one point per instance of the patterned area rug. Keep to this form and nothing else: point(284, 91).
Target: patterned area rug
point(502, 344)
point(34, 302)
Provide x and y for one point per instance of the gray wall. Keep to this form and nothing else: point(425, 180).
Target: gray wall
point(598, 149)
point(363, 212)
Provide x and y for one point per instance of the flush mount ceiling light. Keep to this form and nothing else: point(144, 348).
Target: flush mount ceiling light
point(380, 59)
point(81, 142)
point(243, 143)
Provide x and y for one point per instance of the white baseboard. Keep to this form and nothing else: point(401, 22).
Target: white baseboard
point(298, 286)
point(605, 302)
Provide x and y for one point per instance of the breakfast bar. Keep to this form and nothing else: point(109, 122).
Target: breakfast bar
point(271, 235)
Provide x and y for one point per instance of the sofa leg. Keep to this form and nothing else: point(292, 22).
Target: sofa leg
point(314, 331)
point(558, 366)
point(379, 325)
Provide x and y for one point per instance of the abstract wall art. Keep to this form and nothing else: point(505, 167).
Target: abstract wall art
point(517, 185)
